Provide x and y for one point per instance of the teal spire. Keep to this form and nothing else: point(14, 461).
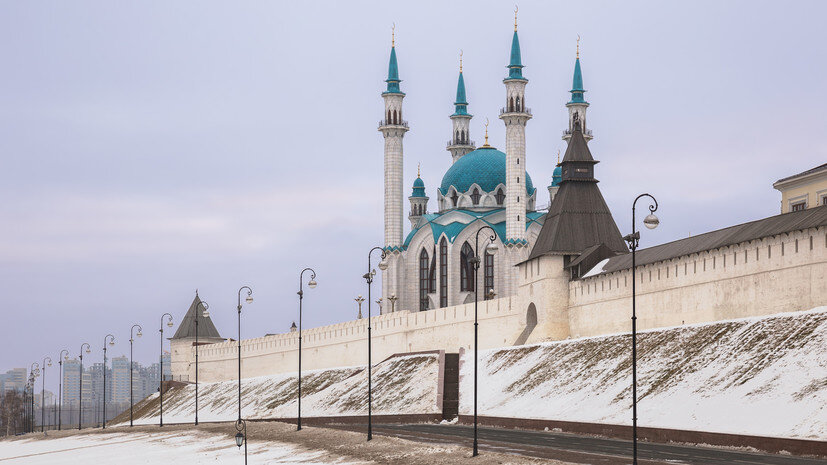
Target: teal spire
point(393, 74)
point(577, 82)
point(461, 104)
point(418, 185)
point(515, 66)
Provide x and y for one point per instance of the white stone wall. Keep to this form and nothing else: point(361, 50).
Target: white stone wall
point(754, 278)
point(345, 344)
point(578, 109)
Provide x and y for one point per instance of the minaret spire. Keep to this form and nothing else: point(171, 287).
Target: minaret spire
point(515, 115)
point(577, 105)
point(393, 129)
point(460, 142)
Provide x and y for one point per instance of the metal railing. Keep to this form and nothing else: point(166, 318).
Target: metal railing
point(569, 132)
point(504, 110)
point(385, 122)
point(468, 142)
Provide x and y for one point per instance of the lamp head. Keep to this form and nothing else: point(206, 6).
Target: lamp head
point(169, 323)
point(139, 333)
point(239, 439)
point(112, 342)
point(205, 313)
point(492, 248)
point(88, 351)
point(491, 293)
point(50, 363)
point(383, 265)
point(651, 221)
point(312, 284)
point(249, 299)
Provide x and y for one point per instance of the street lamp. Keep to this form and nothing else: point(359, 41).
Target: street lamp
point(34, 372)
point(161, 386)
point(383, 265)
point(60, 359)
point(108, 339)
point(80, 383)
point(43, 394)
point(491, 248)
point(131, 365)
point(651, 222)
point(311, 284)
point(241, 436)
point(249, 300)
point(206, 307)
point(359, 299)
point(393, 298)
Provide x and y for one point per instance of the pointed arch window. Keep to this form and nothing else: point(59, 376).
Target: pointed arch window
point(443, 273)
point(454, 198)
point(475, 196)
point(432, 274)
point(466, 268)
point(500, 196)
point(424, 279)
point(488, 275)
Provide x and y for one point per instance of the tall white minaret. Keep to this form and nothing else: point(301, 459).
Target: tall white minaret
point(515, 115)
point(577, 105)
point(460, 142)
point(393, 128)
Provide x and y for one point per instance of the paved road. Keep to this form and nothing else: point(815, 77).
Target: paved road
point(580, 449)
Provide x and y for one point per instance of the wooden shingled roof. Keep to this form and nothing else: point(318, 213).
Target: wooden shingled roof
point(578, 217)
point(206, 328)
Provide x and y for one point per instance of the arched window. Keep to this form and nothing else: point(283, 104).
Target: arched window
point(389, 119)
point(432, 274)
point(466, 268)
point(511, 104)
point(488, 275)
point(454, 198)
point(518, 105)
point(443, 273)
point(424, 275)
point(500, 196)
point(475, 196)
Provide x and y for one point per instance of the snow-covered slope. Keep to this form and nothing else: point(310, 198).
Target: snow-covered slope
point(406, 384)
point(761, 376)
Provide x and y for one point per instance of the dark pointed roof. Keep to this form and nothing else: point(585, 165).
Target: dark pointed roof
point(206, 328)
point(578, 217)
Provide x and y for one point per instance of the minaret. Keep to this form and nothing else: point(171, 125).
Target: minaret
point(460, 142)
point(393, 128)
point(515, 115)
point(418, 199)
point(577, 105)
point(556, 178)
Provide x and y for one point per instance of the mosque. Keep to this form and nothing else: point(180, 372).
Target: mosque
point(432, 267)
point(565, 272)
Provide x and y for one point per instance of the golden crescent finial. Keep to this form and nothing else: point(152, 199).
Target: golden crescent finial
point(516, 9)
point(486, 132)
point(393, 35)
point(578, 46)
point(558, 156)
point(417, 166)
point(460, 60)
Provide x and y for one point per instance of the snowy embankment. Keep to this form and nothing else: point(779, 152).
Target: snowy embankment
point(141, 448)
point(758, 376)
point(401, 385)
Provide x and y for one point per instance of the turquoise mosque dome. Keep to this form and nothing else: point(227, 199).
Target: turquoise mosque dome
point(418, 188)
point(484, 166)
point(557, 176)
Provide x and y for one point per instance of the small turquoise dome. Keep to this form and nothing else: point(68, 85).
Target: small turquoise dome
point(557, 176)
point(418, 188)
point(484, 166)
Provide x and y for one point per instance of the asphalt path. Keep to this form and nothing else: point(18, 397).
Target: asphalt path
point(581, 449)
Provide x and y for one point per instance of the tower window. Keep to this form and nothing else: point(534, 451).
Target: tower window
point(443, 273)
point(432, 274)
point(424, 279)
point(466, 268)
point(454, 198)
point(500, 196)
point(475, 196)
point(518, 179)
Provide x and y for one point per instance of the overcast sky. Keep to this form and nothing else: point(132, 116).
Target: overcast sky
point(148, 149)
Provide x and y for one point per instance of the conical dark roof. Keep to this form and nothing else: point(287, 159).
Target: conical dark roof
point(578, 217)
point(206, 328)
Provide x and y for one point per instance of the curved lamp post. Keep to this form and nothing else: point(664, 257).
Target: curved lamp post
point(34, 372)
point(311, 284)
point(43, 394)
point(131, 365)
point(60, 359)
point(80, 384)
point(108, 339)
point(206, 313)
point(383, 265)
point(241, 436)
point(491, 248)
point(249, 300)
point(651, 222)
point(359, 299)
point(161, 384)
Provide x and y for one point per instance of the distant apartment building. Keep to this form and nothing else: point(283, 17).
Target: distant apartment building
point(120, 379)
point(14, 380)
